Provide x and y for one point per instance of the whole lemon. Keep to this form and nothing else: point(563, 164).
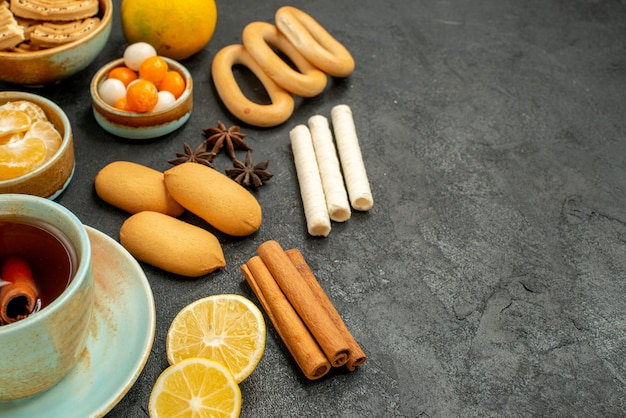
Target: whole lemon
point(177, 29)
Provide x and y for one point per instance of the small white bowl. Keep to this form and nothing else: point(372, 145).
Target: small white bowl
point(52, 177)
point(133, 125)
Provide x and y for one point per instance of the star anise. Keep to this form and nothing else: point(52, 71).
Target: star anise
point(231, 137)
point(249, 175)
point(200, 155)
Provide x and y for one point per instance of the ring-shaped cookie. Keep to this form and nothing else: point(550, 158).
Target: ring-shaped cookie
point(314, 42)
point(282, 102)
point(259, 37)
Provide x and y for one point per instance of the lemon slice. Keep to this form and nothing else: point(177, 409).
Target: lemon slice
point(46, 131)
point(13, 121)
point(229, 329)
point(20, 157)
point(195, 388)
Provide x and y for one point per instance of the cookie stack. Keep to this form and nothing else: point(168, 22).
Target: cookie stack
point(11, 33)
point(30, 25)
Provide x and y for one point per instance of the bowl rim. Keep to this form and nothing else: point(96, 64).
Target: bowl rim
point(107, 18)
point(100, 76)
point(67, 132)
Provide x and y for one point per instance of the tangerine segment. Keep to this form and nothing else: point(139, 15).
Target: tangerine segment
point(174, 83)
point(153, 69)
point(229, 329)
point(142, 96)
point(31, 109)
point(8, 138)
point(46, 131)
point(13, 121)
point(21, 157)
point(195, 388)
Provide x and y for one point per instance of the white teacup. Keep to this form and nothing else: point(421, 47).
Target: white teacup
point(39, 350)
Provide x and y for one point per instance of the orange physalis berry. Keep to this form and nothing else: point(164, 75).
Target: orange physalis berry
point(142, 96)
point(122, 104)
point(153, 69)
point(173, 82)
point(124, 74)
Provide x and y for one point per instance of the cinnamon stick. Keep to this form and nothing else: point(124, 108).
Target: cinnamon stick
point(357, 356)
point(305, 303)
point(288, 325)
point(18, 292)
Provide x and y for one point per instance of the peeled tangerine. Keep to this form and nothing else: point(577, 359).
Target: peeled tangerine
point(171, 244)
point(214, 197)
point(27, 139)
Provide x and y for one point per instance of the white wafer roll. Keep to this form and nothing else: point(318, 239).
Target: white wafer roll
point(329, 168)
point(311, 190)
point(351, 159)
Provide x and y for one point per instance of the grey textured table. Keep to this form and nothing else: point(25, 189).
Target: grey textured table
point(489, 278)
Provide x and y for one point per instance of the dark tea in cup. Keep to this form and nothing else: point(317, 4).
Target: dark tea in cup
point(46, 253)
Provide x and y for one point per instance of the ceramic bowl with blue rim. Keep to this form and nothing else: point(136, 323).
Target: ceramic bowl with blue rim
point(52, 177)
point(51, 65)
point(144, 125)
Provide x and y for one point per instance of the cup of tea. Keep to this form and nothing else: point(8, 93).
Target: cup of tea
point(46, 293)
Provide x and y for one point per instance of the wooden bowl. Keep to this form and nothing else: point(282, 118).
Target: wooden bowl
point(133, 125)
point(51, 65)
point(52, 177)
